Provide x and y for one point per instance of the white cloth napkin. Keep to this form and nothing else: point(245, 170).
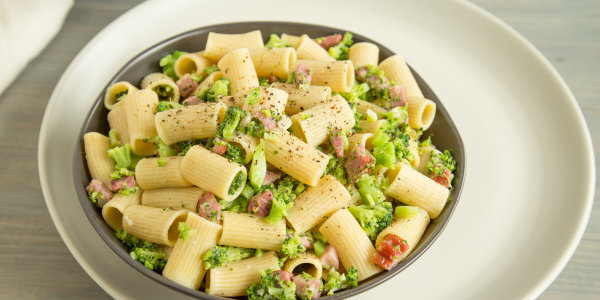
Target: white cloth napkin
point(26, 27)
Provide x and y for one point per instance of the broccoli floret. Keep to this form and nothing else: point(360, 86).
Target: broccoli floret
point(426, 143)
point(233, 115)
point(185, 232)
point(237, 183)
point(118, 174)
point(123, 157)
point(185, 146)
point(440, 161)
point(240, 204)
point(119, 96)
point(357, 92)
point(255, 128)
point(336, 281)
point(271, 287)
point(385, 155)
point(253, 97)
point(373, 218)
point(235, 154)
point(211, 69)
point(369, 191)
point(113, 138)
point(336, 168)
point(340, 51)
point(131, 241)
point(168, 63)
point(220, 87)
point(264, 81)
point(283, 199)
point(152, 259)
point(164, 150)
point(292, 246)
point(166, 105)
point(276, 42)
point(222, 255)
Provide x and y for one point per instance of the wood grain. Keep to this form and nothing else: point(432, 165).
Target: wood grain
point(35, 262)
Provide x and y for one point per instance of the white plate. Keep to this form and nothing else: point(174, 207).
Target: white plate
point(530, 177)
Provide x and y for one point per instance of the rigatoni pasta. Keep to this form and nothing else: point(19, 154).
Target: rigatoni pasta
point(249, 231)
point(338, 75)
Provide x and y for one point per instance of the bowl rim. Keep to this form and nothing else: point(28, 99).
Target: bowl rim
point(92, 212)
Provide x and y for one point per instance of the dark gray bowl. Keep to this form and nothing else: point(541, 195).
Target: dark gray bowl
point(446, 137)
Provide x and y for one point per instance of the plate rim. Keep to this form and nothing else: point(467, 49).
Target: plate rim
point(542, 283)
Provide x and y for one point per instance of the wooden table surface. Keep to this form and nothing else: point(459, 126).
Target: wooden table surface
point(35, 263)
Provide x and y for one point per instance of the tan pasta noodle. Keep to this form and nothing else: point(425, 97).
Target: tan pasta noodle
point(232, 279)
point(291, 39)
point(157, 81)
point(250, 231)
point(338, 75)
point(173, 198)
point(362, 54)
point(207, 82)
point(117, 120)
point(113, 211)
point(99, 163)
point(189, 122)
point(302, 99)
point(110, 97)
point(185, 265)
point(237, 66)
point(219, 44)
point(409, 229)
point(153, 224)
point(139, 109)
point(308, 262)
point(413, 188)
point(150, 175)
point(314, 124)
point(192, 63)
point(398, 71)
point(317, 203)
point(293, 156)
point(275, 61)
point(212, 172)
point(269, 98)
point(356, 139)
point(362, 107)
point(311, 50)
point(352, 244)
point(421, 112)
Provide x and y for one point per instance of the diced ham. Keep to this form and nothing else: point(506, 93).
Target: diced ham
point(306, 242)
point(260, 204)
point(193, 100)
point(220, 146)
point(443, 179)
point(398, 95)
point(209, 208)
point(337, 141)
point(271, 177)
point(331, 40)
point(303, 75)
point(124, 182)
point(329, 258)
point(306, 288)
point(186, 85)
point(97, 186)
point(359, 162)
point(284, 276)
point(268, 122)
point(272, 78)
point(377, 83)
point(390, 251)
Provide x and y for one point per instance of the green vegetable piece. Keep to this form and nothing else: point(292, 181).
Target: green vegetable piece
point(292, 246)
point(121, 95)
point(161, 162)
point(164, 150)
point(185, 232)
point(168, 63)
point(113, 138)
point(240, 204)
point(336, 281)
point(335, 167)
point(276, 42)
point(253, 97)
point(220, 87)
point(380, 138)
point(385, 155)
point(340, 51)
point(233, 115)
point(235, 154)
point(119, 173)
point(271, 287)
point(164, 91)
point(373, 218)
point(406, 212)
point(123, 157)
point(221, 255)
point(211, 69)
point(258, 168)
point(153, 259)
point(247, 192)
point(167, 105)
point(185, 146)
point(237, 183)
point(319, 248)
point(264, 81)
point(369, 191)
